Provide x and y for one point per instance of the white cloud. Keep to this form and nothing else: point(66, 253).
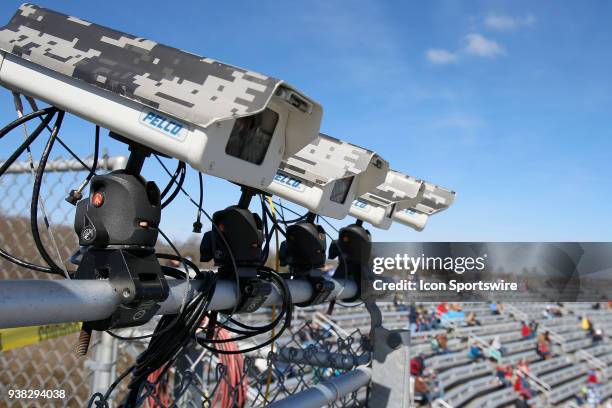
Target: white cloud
point(505, 23)
point(480, 46)
point(440, 56)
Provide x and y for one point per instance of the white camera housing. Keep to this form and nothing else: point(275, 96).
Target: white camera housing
point(435, 199)
point(411, 218)
point(397, 192)
point(222, 120)
point(327, 175)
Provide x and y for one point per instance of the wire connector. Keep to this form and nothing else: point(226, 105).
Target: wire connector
point(197, 227)
point(74, 196)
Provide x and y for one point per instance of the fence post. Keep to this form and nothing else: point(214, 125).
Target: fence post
point(102, 364)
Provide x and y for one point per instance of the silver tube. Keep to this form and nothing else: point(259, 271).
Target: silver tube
point(37, 302)
point(327, 392)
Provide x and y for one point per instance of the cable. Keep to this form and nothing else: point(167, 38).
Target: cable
point(58, 270)
point(77, 194)
point(179, 185)
point(172, 177)
point(164, 349)
point(49, 112)
point(287, 312)
point(231, 254)
point(34, 107)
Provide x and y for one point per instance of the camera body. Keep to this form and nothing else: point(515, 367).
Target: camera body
point(327, 174)
point(411, 218)
point(435, 199)
point(398, 192)
point(222, 120)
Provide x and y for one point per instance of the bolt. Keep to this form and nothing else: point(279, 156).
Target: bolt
point(126, 293)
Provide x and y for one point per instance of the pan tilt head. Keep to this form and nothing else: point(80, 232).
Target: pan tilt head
point(353, 249)
point(235, 245)
point(304, 252)
point(117, 226)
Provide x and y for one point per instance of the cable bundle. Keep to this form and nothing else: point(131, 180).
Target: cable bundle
point(172, 334)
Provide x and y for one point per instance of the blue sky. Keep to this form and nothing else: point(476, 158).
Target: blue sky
point(509, 103)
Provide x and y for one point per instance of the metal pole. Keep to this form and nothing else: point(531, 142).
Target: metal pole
point(327, 392)
point(37, 302)
point(102, 364)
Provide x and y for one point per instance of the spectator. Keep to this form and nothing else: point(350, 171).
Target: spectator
point(521, 386)
point(421, 390)
point(526, 332)
point(496, 350)
point(494, 308)
point(533, 326)
point(413, 317)
point(504, 374)
point(442, 309)
point(471, 320)
point(474, 352)
point(547, 313)
point(522, 402)
point(439, 344)
point(597, 336)
point(581, 398)
point(417, 365)
point(523, 367)
point(543, 349)
point(592, 378)
point(586, 324)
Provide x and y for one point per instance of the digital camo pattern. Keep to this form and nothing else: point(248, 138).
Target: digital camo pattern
point(327, 159)
point(398, 188)
point(435, 199)
point(189, 87)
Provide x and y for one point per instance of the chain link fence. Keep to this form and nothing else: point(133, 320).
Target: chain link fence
point(309, 353)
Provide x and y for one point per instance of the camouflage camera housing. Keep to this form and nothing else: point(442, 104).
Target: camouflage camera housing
point(435, 199)
point(411, 218)
point(397, 192)
point(222, 120)
point(326, 175)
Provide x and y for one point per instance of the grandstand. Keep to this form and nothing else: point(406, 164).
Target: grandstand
point(462, 381)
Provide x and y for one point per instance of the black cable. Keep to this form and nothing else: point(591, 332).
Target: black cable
point(94, 165)
point(34, 107)
point(231, 254)
point(177, 258)
point(172, 177)
point(49, 112)
point(287, 311)
point(55, 268)
point(178, 187)
point(164, 349)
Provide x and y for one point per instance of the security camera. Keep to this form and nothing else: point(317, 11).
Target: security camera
point(326, 175)
point(435, 199)
point(399, 191)
point(411, 218)
point(222, 120)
